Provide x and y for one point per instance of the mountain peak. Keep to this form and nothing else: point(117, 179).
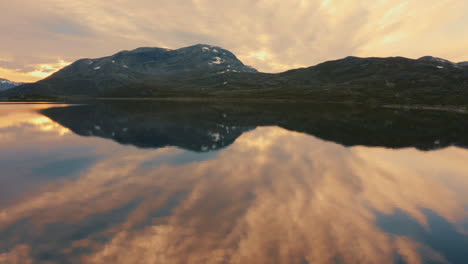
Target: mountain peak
point(148, 61)
point(435, 59)
point(148, 49)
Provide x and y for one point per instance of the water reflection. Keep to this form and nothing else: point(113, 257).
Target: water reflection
point(204, 127)
point(271, 196)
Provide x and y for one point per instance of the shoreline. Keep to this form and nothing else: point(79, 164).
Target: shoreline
point(447, 108)
point(458, 109)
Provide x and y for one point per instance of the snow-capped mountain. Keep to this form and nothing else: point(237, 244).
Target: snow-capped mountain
point(6, 84)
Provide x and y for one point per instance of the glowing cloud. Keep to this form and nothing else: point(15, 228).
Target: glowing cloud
point(40, 71)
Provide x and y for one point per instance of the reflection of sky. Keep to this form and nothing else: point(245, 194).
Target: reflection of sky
point(180, 158)
point(274, 196)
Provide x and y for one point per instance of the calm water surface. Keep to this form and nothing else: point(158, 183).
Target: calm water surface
point(162, 183)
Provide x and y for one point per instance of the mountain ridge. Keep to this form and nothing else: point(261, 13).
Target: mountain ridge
point(95, 76)
point(213, 72)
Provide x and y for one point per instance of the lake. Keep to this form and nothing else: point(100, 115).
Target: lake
point(181, 182)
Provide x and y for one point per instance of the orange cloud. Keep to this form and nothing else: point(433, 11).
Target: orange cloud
point(40, 71)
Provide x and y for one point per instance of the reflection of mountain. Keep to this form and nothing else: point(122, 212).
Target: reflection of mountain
point(202, 127)
point(151, 125)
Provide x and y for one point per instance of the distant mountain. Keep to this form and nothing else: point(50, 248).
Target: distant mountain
point(464, 64)
point(212, 72)
point(6, 84)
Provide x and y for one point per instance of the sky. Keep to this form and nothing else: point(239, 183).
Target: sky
point(40, 37)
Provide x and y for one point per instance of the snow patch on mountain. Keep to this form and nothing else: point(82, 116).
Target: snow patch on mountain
point(217, 60)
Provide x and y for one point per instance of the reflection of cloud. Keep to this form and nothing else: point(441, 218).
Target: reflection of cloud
point(295, 32)
point(18, 255)
point(272, 197)
point(46, 124)
point(36, 151)
point(16, 116)
point(412, 167)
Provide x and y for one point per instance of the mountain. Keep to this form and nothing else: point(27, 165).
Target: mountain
point(211, 72)
point(6, 84)
point(206, 126)
point(94, 77)
point(463, 64)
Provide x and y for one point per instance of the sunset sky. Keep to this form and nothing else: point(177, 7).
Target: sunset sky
point(40, 37)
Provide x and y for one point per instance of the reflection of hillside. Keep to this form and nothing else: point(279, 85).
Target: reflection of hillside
point(151, 125)
point(203, 127)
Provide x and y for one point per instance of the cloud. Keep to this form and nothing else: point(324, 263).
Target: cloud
point(32, 72)
point(285, 33)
